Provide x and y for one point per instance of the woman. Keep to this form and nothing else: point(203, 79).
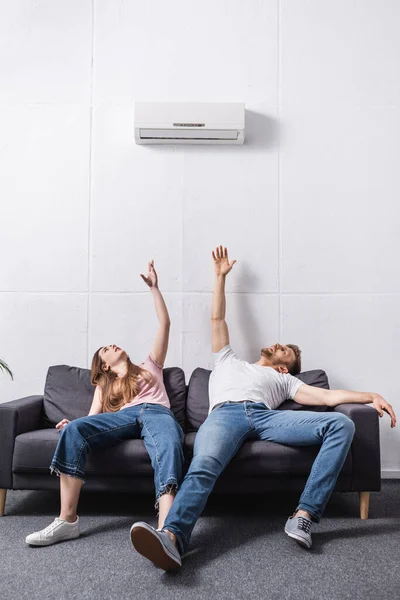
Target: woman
point(129, 402)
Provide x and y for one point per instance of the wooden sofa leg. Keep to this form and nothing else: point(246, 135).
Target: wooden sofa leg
point(3, 494)
point(364, 504)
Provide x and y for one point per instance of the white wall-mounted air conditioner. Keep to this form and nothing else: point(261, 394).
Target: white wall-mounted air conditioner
point(189, 122)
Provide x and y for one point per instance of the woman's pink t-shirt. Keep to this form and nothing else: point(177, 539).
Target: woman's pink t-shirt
point(154, 393)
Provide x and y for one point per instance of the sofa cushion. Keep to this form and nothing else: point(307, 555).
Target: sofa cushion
point(259, 458)
point(68, 392)
point(34, 451)
point(198, 399)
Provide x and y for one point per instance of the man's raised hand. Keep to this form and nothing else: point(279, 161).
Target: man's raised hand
point(222, 265)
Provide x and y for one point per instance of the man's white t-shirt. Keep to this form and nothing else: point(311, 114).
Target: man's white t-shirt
point(235, 380)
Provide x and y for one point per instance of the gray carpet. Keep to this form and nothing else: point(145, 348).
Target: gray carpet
point(237, 551)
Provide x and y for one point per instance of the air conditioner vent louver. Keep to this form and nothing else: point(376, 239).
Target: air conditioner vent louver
point(181, 134)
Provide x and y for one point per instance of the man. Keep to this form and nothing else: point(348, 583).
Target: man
point(243, 402)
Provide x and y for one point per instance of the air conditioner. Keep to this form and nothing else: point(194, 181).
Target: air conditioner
point(189, 122)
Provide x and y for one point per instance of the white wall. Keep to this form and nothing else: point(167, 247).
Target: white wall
point(308, 206)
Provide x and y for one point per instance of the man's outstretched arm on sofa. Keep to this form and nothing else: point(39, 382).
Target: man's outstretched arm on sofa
point(308, 395)
point(222, 266)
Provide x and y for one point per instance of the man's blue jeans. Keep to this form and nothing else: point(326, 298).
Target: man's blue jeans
point(229, 425)
point(155, 424)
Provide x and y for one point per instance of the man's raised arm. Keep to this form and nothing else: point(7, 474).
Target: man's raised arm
point(222, 266)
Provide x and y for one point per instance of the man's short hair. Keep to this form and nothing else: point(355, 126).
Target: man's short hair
point(294, 367)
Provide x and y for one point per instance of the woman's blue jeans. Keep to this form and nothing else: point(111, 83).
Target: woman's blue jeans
point(155, 424)
point(229, 425)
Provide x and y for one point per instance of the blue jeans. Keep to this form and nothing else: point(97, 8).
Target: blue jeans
point(155, 424)
point(224, 431)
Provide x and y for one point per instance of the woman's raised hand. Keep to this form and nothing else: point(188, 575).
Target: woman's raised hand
point(151, 279)
point(221, 261)
point(62, 424)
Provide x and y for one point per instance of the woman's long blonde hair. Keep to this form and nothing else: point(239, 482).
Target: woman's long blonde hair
point(115, 391)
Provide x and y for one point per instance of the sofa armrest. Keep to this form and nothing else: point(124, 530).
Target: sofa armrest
point(365, 448)
point(16, 417)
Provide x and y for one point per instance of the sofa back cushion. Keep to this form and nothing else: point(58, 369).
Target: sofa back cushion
point(198, 400)
point(68, 392)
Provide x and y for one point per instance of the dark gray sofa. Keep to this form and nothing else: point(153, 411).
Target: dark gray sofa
point(28, 439)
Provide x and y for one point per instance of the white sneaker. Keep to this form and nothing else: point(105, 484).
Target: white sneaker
point(57, 531)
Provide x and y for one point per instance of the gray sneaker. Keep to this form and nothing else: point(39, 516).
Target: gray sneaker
point(155, 545)
point(299, 528)
point(58, 531)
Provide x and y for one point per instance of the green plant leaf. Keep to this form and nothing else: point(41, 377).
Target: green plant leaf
point(5, 367)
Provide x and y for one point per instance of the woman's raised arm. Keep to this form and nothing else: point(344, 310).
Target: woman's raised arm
point(160, 346)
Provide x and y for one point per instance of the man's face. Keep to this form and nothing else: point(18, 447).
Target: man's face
point(279, 354)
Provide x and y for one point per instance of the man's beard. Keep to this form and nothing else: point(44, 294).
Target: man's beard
point(267, 353)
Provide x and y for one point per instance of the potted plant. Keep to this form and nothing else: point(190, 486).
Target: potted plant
point(5, 367)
